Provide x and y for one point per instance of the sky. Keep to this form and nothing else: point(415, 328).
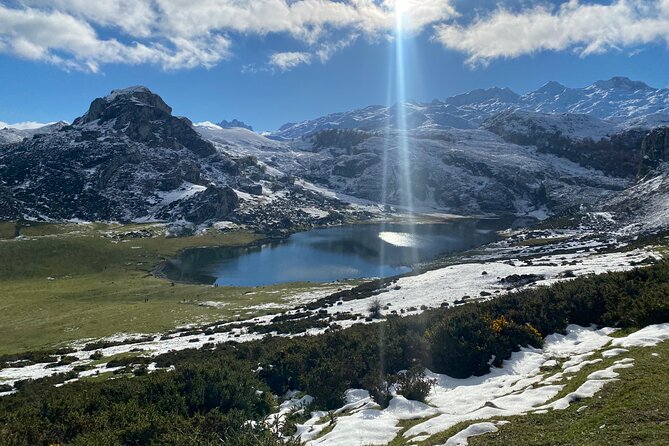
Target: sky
point(269, 62)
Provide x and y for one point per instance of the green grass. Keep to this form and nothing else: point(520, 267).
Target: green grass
point(541, 241)
point(67, 282)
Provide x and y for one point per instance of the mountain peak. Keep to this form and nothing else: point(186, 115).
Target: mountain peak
point(235, 123)
point(481, 95)
point(129, 91)
point(621, 83)
point(122, 101)
point(552, 87)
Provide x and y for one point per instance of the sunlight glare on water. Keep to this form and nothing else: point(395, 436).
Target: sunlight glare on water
point(402, 239)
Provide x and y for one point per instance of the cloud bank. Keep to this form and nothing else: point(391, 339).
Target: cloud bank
point(182, 34)
point(585, 28)
point(178, 34)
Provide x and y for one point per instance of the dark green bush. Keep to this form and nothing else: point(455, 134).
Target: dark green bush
point(413, 384)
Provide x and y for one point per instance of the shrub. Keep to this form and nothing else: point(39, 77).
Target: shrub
point(375, 309)
point(413, 384)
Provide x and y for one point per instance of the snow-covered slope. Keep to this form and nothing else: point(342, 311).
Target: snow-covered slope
point(10, 135)
point(568, 125)
point(645, 206)
point(462, 171)
point(239, 138)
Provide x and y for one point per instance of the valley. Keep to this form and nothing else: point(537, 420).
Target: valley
point(139, 250)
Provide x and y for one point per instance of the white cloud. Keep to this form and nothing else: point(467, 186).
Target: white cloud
point(289, 60)
point(134, 17)
point(64, 40)
point(328, 49)
point(178, 34)
point(28, 125)
point(584, 28)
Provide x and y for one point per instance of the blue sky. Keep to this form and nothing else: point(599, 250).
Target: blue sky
point(312, 62)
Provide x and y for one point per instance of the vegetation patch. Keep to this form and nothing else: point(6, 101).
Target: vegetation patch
point(67, 282)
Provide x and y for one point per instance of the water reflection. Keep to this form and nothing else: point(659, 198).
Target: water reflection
point(325, 255)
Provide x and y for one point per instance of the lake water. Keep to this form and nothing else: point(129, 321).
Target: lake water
point(330, 254)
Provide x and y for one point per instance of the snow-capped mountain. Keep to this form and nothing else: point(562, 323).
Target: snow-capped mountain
point(621, 101)
point(242, 139)
point(485, 152)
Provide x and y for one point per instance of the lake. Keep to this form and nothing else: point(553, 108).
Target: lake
point(330, 254)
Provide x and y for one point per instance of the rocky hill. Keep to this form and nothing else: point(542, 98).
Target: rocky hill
point(129, 159)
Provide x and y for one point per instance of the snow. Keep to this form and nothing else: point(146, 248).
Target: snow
point(126, 91)
point(573, 126)
point(644, 207)
point(518, 387)
point(460, 439)
point(28, 125)
point(646, 337)
point(185, 191)
point(587, 390)
point(452, 283)
point(611, 100)
point(240, 140)
point(614, 352)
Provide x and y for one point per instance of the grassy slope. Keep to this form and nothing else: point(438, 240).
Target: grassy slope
point(68, 282)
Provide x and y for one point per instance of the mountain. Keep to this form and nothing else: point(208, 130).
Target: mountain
point(377, 117)
point(462, 171)
point(239, 138)
point(485, 152)
point(11, 135)
point(620, 101)
point(129, 159)
point(234, 124)
point(581, 138)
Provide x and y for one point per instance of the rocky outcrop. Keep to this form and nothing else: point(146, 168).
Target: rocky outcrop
point(354, 166)
point(654, 150)
point(214, 204)
point(144, 117)
point(582, 139)
point(234, 124)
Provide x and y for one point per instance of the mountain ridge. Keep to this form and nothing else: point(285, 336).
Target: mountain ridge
point(619, 100)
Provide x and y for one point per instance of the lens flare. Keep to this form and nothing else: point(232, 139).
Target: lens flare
point(401, 7)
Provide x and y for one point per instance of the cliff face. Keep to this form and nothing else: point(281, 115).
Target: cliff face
point(654, 150)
